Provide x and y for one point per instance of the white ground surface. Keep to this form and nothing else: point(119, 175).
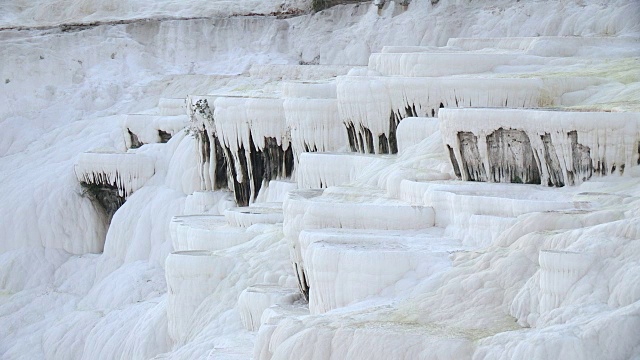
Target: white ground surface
point(72, 287)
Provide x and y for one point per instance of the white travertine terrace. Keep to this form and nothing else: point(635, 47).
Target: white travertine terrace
point(444, 241)
point(373, 106)
point(263, 213)
point(322, 170)
point(545, 146)
point(206, 232)
point(413, 130)
point(254, 300)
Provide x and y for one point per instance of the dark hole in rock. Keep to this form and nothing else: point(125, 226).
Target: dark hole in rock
point(135, 142)
point(511, 157)
point(164, 136)
point(582, 163)
point(551, 161)
point(454, 162)
point(361, 142)
point(221, 180)
point(393, 140)
point(472, 164)
point(106, 196)
point(351, 133)
point(269, 163)
point(383, 144)
point(369, 138)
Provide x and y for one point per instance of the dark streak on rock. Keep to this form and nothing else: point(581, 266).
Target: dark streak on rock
point(472, 164)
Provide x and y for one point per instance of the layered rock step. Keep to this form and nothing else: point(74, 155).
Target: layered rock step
point(487, 208)
point(548, 147)
point(311, 111)
point(208, 202)
point(322, 170)
point(254, 300)
point(412, 130)
point(372, 107)
point(346, 208)
point(345, 266)
point(206, 232)
point(259, 213)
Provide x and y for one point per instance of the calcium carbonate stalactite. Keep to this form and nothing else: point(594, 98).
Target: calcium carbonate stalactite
point(549, 147)
point(213, 163)
point(559, 271)
point(372, 107)
point(256, 143)
point(311, 111)
point(110, 178)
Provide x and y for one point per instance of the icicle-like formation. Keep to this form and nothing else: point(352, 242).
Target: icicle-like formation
point(315, 126)
point(311, 110)
point(554, 148)
point(213, 163)
point(172, 106)
point(372, 107)
point(254, 300)
point(125, 172)
point(191, 277)
point(445, 63)
point(560, 270)
point(146, 129)
point(321, 170)
point(256, 143)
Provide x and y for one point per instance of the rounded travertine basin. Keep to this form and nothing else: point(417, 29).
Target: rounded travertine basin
point(254, 300)
point(206, 232)
point(264, 213)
